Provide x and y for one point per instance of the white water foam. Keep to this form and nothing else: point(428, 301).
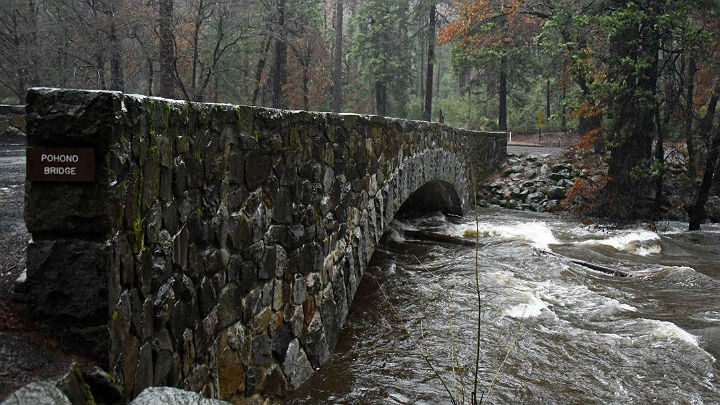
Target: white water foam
point(537, 233)
point(668, 330)
point(672, 272)
point(639, 241)
point(531, 307)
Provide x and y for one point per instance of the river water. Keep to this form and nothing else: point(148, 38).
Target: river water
point(551, 331)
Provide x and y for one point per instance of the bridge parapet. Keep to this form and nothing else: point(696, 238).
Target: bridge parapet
point(219, 247)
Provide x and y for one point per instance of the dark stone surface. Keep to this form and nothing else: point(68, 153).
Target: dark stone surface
point(210, 219)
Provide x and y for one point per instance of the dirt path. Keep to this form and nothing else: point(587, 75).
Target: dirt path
point(27, 353)
point(13, 235)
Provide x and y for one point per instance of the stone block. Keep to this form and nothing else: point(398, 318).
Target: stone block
point(67, 280)
point(296, 366)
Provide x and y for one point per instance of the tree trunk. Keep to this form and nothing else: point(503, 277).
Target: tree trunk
point(697, 209)
point(563, 113)
point(259, 67)
point(427, 112)
point(337, 99)
point(380, 98)
point(547, 101)
point(195, 92)
point(502, 95)
point(306, 87)
point(167, 50)
point(117, 81)
point(151, 74)
point(20, 70)
point(635, 113)
point(671, 102)
point(689, 113)
point(423, 66)
point(279, 74)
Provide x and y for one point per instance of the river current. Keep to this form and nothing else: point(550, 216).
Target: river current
point(551, 331)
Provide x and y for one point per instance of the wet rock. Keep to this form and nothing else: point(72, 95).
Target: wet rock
point(296, 366)
point(299, 291)
point(74, 387)
point(38, 393)
point(561, 167)
point(557, 176)
point(315, 341)
point(103, 386)
point(175, 396)
point(556, 193)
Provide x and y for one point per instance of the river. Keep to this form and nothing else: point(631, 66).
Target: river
point(551, 332)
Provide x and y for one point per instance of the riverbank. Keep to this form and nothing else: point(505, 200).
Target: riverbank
point(570, 181)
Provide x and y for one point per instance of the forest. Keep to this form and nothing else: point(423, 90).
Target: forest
point(634, 78)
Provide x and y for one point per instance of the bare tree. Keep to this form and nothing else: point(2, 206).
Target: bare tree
point(167, 49)
point(337, 100)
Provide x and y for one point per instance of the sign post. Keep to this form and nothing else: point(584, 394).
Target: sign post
point(539, 125)
point(61, 164)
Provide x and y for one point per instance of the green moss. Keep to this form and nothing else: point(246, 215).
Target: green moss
point(294, 138)
point(138, 236)
point(316, 213)
point(245, 118)
point(89, 398)
point(115, 315)
point(377, 133)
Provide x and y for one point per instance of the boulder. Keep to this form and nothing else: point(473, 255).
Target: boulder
point(712, 209)
point(175, 396)
point(296, 367)
point(38, 393)
point(556, 193)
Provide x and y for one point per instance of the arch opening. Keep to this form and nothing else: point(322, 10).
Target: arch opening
point(434, 196)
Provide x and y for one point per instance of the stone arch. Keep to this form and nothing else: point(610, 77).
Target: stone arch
point(433, 196)
point(434, 170)
point(225, 243)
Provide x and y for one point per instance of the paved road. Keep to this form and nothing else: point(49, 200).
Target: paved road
point(532, 150)
point(13, 234)
point(27, 352)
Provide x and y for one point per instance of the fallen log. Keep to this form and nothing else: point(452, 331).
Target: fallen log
point(593, 266)
point(438, 237)
point(597, 267)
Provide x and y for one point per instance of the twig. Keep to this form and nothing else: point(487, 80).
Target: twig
point(477, 292)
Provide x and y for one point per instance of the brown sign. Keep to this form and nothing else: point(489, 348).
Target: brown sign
point(60, 164)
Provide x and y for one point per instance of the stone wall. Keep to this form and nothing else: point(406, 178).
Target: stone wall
point(220, 246)
point(12, 121)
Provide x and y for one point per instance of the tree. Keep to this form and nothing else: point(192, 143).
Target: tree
point(487, 32)
point(18, 46)
point(632, 91)
point(383, 48)
point(427, 112)
point(337, 59)
point(166, 49)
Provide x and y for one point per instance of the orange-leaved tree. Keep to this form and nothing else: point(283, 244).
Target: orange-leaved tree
point(493, 35)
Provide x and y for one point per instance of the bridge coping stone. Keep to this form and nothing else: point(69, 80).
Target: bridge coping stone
point(220, 246)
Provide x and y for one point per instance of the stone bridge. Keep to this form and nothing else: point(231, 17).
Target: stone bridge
point(216, 247)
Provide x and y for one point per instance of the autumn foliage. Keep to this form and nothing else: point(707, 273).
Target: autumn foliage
point(483, 24)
